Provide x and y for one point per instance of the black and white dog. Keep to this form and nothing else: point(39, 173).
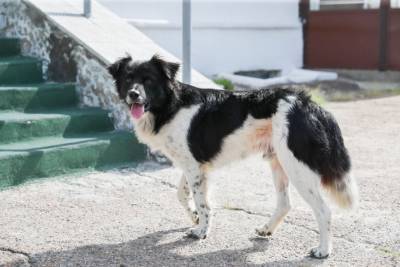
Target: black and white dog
point(203, 129)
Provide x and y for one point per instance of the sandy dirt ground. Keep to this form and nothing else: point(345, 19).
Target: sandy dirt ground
point(131, 217)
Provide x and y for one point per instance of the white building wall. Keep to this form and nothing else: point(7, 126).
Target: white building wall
point(228, 35)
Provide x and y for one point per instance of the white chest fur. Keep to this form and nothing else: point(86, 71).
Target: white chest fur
point(172, 138)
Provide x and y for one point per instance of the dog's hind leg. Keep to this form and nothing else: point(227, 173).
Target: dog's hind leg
point(307, 183)
point(185, 199)
point(311, 193)
point(283, 200)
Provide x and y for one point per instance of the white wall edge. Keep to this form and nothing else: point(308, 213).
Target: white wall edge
point(164, 24)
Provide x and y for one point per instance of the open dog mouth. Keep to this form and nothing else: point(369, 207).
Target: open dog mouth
point(138, 109)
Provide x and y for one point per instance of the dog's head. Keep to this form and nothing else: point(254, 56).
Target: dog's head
point(144, 86)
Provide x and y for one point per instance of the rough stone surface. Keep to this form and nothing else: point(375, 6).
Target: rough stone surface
point(34, 31)
point(12, 258)
point(97, 88)
point(131, 217)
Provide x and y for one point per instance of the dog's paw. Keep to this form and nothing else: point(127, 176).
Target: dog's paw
point(197, 233)
point(319, 253)
point(263, 232)
point(195, 217)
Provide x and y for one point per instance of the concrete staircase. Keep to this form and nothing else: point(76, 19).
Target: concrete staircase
point(42, 131)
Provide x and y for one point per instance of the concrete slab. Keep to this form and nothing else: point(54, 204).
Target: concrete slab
point(106, 35)
point(131, 217)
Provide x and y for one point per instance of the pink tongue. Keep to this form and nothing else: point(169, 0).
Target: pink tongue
point(137, 110)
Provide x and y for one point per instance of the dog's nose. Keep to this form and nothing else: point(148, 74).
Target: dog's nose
point(133, 94)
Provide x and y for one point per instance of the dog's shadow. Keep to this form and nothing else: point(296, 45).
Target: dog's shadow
point(157, 249)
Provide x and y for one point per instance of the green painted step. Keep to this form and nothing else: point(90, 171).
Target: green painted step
point(43, 133)
point(44, 157)
point(20, 69)
point(38, 96)
point(16, 126)
point(9, 47)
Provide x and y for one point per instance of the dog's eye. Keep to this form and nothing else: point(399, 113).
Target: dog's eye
point(148, 81)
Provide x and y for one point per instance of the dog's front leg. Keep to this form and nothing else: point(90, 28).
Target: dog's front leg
point(185, 199)
point(197, 181)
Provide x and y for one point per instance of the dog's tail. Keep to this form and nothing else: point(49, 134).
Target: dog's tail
point(343, 191)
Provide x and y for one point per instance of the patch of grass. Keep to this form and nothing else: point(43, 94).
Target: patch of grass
point(388, 251)
point(225, 83)
point(344, 97)
point(365, 94)
point(382, 93)
point(317, 97)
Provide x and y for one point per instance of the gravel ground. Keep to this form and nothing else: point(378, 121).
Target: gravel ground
point(131, 217)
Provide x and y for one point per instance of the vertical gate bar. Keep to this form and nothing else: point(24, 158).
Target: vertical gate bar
point(186, 41)
point(304, 10)
point(383, 34)
point(87, 8)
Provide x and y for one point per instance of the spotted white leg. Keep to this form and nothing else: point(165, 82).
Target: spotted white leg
point(283, 200)
point(312, 195)
point(185, 199)
point(307, 183)
point(197, 181)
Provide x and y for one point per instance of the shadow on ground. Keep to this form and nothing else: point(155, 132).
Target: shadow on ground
point(154, 250)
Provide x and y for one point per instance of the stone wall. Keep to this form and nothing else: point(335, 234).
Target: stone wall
point(64, 58)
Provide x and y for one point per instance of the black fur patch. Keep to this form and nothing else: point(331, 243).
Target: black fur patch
point(219, 116)
point(224, 112)
point(316, 140)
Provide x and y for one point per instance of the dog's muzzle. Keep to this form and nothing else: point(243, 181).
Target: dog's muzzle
point(134, 98)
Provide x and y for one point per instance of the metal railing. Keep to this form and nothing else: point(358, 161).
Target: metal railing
point(87, 8)
point(186, 40)
point(186, 35)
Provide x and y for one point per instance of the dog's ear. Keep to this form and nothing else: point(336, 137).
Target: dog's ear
point(116, 68)
point(169, 68)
